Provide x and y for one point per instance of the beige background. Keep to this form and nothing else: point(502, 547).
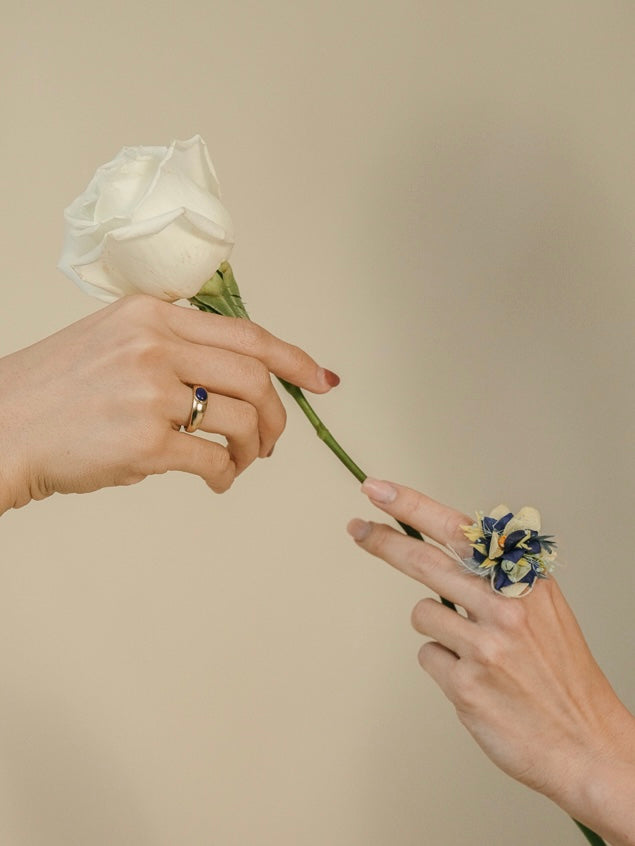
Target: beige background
point(437, 199)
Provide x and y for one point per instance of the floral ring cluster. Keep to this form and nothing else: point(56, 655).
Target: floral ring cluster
point(509, 550)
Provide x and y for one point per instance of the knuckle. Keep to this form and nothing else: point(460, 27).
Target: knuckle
point(488, 652)
point(298, 359)
point(144, 349)
point(258, 377)
point(280, 422)
point(377, 539)
point(224, 474)
point(466, 687)
point(250, 337)
point(419, 559)
point(140, 307)
point(247, 419)
point(511, 614)
point(151, 451)
point(454, 532)
point(221, 461)
point(409, 502)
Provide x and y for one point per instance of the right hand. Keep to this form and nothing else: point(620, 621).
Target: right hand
point(101, 402)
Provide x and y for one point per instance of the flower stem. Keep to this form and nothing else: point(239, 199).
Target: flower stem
point(221, 296)
point(321, 431)
point(324, 435)
point(593, 838)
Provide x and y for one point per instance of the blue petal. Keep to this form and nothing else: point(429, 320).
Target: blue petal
point(488, 525)
point(500, 524)
point(501, 579)
point(514, 555)
point(515, 537)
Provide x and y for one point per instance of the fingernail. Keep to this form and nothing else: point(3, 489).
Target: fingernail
point(331, 379)
point(270, 453)
point(358, 529)
point(379, 491)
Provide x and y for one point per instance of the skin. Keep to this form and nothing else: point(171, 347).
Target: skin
point(518, 671)
point(101, 402)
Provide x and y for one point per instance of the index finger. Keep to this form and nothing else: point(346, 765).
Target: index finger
point(433, 519)
point(248, 338)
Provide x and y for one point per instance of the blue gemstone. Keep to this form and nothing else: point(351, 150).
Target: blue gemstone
point(201, 394)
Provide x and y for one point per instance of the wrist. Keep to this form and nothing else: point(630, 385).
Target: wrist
point(14, 487)
point(12, 495)
point(596, 787)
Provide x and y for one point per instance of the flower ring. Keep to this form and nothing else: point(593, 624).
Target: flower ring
point(199, 405)
point(509, 550)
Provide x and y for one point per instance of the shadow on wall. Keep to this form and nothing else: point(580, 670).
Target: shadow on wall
point(63, 781)
point(514, 262)
point(513, 252)
point(487, 204)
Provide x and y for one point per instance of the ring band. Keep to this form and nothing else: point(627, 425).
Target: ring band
point(510, 550)
point(199, 405)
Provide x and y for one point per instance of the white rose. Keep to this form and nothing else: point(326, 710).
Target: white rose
point(151, 221)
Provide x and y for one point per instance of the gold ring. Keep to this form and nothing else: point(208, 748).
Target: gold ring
point(199, 405)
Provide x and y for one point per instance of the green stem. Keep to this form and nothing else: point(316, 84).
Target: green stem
point(324, 435)
point(593, 838)
point(221, 296)
point(321, 431)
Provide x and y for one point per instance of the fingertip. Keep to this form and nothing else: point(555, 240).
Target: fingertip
point(358, 529)
point(380, 492)
point(328, 379)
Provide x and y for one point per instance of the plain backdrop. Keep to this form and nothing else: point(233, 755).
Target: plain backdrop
point(437, 200)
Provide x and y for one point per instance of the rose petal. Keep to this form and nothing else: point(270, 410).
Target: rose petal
point(169, 257)
point(192, 158)
point(173, 190)
point(122, 188)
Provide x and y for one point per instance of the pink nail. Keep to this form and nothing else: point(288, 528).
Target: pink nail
point(379, 491)
point(331, 379)
point(358, 529)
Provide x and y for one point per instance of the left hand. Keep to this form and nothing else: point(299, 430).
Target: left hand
point(518, 671)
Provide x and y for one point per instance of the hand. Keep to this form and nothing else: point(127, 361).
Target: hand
point(518, 671)
point(101, 402)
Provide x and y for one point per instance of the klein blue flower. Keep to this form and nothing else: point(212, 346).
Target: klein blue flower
point(510, 549)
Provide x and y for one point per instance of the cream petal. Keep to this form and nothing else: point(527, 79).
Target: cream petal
point(122, 188)
point(99, 281)
point(169, 257)
point(527, 518)
point(192, 159)
point(499, 511)
point(80, 244)
point(150, 220)
point(516, 571)
point(176, 190)
point(494, 549)
point(517, 590)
